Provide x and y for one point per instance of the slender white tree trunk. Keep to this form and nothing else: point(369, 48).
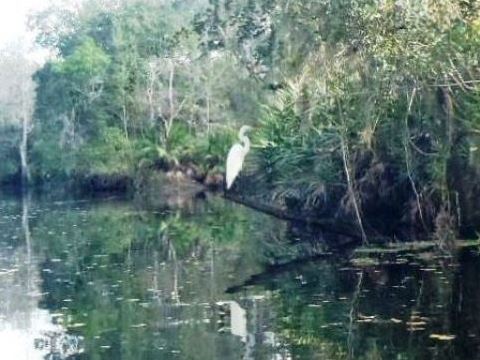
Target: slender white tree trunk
point(17, 98)
point(208, 112)
point(150, 92)
point(23, 153)
point(171, 116)
point(25, 173)
point(351, 190)
point(125, 121)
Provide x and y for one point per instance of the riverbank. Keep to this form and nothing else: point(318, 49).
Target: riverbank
point(250, 190)
point(357, 123)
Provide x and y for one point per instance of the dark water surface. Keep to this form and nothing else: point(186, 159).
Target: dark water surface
point(180, 278)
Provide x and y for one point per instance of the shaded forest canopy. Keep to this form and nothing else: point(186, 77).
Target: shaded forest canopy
point(362, 109)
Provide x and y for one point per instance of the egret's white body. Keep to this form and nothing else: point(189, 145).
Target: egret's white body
point(236, 156)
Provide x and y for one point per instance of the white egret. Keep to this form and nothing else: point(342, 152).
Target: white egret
point(236, 156)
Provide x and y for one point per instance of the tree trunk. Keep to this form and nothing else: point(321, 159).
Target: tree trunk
point(171, 116)
point(25, 173)
point(125, 121)
point(351, 190)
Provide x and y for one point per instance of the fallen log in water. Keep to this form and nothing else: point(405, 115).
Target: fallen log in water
point(414, 247)
point(275, 270)
point(334, 226)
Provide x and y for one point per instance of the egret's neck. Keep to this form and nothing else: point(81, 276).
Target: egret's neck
point(246, 142)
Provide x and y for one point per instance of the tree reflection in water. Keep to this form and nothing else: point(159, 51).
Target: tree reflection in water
point(26, 330)
point(207, 279)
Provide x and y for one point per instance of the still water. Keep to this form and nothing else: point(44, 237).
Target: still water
point(202, 278)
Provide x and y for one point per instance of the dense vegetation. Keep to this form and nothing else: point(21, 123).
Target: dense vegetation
point(367, 109)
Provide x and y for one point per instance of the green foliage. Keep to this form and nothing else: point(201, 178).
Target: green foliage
point(292, 152)
point(207, 150)
point(49, 162)
point(386, 92)
point(9, 168)
point(110, 154)
point(86, 63)
point(131, 87)
point(397, 89)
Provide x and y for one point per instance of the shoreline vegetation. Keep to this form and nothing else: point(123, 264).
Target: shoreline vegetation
point(366, 115)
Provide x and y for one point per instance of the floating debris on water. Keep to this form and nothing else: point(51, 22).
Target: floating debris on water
point(77, 325)
point(137, 326)
point(442, 337)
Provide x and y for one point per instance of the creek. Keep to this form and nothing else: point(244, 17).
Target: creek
point(179, 277)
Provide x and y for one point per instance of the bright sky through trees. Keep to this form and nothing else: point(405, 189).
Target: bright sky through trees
point(13, 26)
point(13, 17)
